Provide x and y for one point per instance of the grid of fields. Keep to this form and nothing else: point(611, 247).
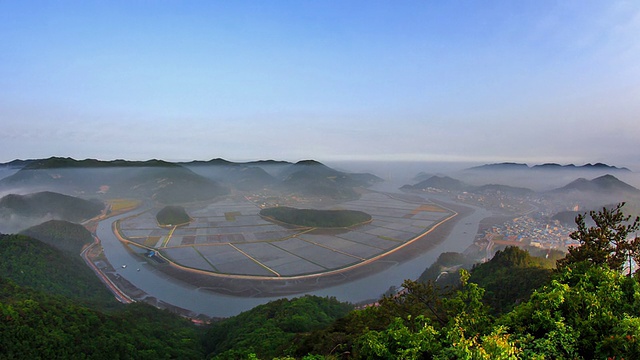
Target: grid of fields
point(230, 237)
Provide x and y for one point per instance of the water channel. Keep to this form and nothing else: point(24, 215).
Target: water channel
point(178, 293)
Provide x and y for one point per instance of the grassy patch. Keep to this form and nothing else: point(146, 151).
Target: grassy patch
point(231, 216)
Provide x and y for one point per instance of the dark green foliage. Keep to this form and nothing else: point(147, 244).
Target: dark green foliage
point(63, 235)
point(34, 325)
point(48, 203)
point(447, 263)
point(268, 330)
point(510, 277)
point(172, 215)
point(316, 218)
point(59, 162)
point(31, 263)
point(585, 312)
point(607, 242)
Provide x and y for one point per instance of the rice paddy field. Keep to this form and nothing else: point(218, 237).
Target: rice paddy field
point(229, 237)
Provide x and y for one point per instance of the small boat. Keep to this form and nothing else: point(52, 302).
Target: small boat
point(124, 266)
point(137, 269)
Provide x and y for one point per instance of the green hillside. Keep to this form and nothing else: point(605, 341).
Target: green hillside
point(31, 263)
point(49, 203)
point(36, 325)
point(62, 235)
point(269, 330)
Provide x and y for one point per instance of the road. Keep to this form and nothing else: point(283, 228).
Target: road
point(119, 294)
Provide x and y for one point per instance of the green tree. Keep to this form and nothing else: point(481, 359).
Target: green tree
point(606, 243)
point(585, 312)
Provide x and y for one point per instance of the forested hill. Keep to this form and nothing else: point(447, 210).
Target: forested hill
point(34, 264)
point(60, 162)
point(47, 203)
point(36, 325)
point(269, 330)
point(62, 235)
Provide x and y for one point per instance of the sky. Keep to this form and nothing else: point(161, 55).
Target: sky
point(453, 81)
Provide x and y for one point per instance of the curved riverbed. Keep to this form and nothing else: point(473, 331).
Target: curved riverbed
point(159, 285)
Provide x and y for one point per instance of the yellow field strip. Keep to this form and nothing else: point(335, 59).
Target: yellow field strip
point(166, 240)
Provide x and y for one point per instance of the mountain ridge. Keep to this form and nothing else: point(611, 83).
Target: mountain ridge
point(547, 166)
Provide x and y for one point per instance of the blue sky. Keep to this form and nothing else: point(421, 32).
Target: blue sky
point(531, 81)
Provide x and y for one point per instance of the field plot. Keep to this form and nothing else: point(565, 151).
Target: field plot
point(230, 237)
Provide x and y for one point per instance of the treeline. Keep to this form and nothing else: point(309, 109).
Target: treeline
point(31, 263)
point(269, 330)
point(35, 325)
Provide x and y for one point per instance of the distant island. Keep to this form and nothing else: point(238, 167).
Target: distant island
point(547, 166)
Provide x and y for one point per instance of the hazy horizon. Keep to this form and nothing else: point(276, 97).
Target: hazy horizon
point(532, 82)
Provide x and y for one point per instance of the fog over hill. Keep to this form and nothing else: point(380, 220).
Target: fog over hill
point(543, 177)
point(168, 182)
point(18, 212)
point(578, 192)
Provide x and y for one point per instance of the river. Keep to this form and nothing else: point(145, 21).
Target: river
point(167, 289)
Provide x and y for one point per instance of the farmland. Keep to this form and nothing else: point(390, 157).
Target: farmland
point(230, 238)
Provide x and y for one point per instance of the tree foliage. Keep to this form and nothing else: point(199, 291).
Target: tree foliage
point(269, 330)
point(606, 243)
point(31, 263)
point(35, 325)
point(62, 235)
point(510, 278)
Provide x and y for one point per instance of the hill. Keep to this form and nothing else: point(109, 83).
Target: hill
point(603, 184)
point(65, 236)
point(270, 330)
point(47, 203)
point(510, 277)
point(37, 325)
point(312, 178)
point(59, 162)
point(174, 183)
point(172, 215)
point(31, 263)
point(588, 166)
point(162, 181)
point(16, 164)
point(547, 166)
